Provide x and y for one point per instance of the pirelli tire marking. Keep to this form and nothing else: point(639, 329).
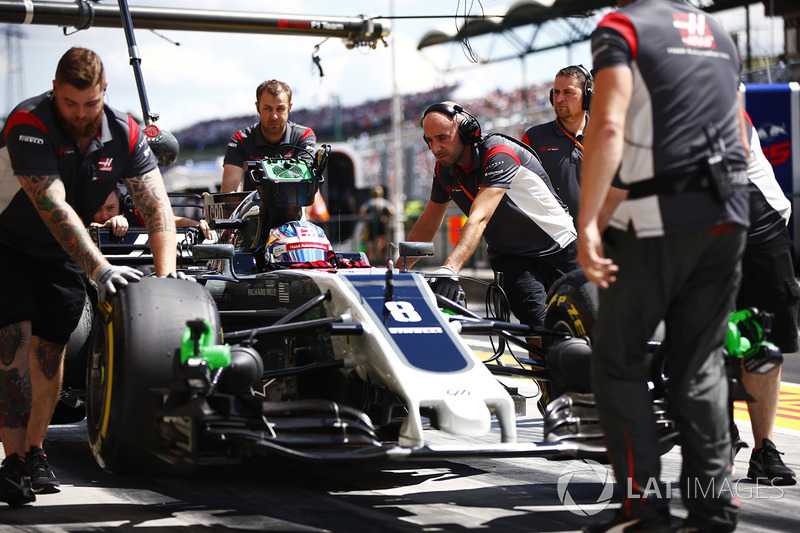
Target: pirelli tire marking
point(567, 305)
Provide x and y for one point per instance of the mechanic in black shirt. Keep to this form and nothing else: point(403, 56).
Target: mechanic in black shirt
point(558, 143)
point(509, 201)
point(672, 250)
point(272, 136)
point(61, 153)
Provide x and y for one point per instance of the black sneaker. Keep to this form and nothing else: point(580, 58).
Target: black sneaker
point(766, 463)
point(15, 485)
point(619, 523)
point(43, 479)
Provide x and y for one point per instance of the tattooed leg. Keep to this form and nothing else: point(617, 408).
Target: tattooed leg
point(47, 368)
point(15, 386)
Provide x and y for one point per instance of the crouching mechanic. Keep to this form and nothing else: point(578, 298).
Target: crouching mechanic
point(114, 215)
point(61, 154)
point(509, 200)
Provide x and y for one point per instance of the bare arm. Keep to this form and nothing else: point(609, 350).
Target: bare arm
point(118, 224)
point(480, 213)
point(50, 200)
point(742, 125)
point(151, 200)
point(186, 222)
point(614, 197)
point(427, 225)
point(601, 159)
point(231, 178)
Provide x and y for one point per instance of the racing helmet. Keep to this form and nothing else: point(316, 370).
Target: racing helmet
point(297, 243)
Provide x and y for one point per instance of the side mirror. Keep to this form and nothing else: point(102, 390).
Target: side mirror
point(227, 223)
point(414, 249)
point(208, 252)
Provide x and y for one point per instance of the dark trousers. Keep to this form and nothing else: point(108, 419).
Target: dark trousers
point(690, 281)
point(526, 280)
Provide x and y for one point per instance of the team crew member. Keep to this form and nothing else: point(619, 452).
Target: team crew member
point(501, 186)
point(768, 284)
point(672, 250)
point(112, 215)
point(559, 143)
point(268, 137)
point(61, 153)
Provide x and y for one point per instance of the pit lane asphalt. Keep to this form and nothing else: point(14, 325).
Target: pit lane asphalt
point(508, 495)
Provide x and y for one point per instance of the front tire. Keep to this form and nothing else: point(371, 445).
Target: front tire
point(571, 308)
point(134, 341)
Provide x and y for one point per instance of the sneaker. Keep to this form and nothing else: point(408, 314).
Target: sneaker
point(15, 485)
point(43, 479)
point(766, 463)
point(620, 523)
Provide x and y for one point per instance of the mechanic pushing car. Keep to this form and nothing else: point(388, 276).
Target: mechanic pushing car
point(61, 154)
point(672, 250)
point(506, 194)
point(272, 136)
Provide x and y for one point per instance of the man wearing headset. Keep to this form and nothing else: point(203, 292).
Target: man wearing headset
point(558, 143)
point(509, 200)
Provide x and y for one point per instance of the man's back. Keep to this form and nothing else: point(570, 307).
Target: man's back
point(665, 125)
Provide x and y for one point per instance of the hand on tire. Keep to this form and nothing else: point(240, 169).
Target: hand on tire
point(445, 283)
point(110, 277)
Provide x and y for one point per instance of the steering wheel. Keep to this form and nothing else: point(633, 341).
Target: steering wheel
point(319, 161)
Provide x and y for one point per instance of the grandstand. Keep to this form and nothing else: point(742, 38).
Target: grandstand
point(367, 127)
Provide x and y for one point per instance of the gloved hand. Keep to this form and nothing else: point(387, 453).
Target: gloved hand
point(112, 277)
point(445, 283)
point(180, 275)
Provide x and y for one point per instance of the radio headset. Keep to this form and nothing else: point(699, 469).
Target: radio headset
point(468, 129)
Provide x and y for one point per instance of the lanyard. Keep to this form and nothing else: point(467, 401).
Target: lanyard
point(568, 134)
point(465, 191)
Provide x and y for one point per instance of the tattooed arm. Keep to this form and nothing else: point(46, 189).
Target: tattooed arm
point(50, 199)
point(151, 200)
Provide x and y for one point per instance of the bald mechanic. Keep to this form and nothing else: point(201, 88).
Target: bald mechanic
point(508, 199)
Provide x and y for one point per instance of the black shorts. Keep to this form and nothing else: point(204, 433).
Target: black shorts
point(768, 284)
point(48, 292)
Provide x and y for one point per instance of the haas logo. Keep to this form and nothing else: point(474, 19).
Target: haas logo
point(104, 165)
point(694, 30)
